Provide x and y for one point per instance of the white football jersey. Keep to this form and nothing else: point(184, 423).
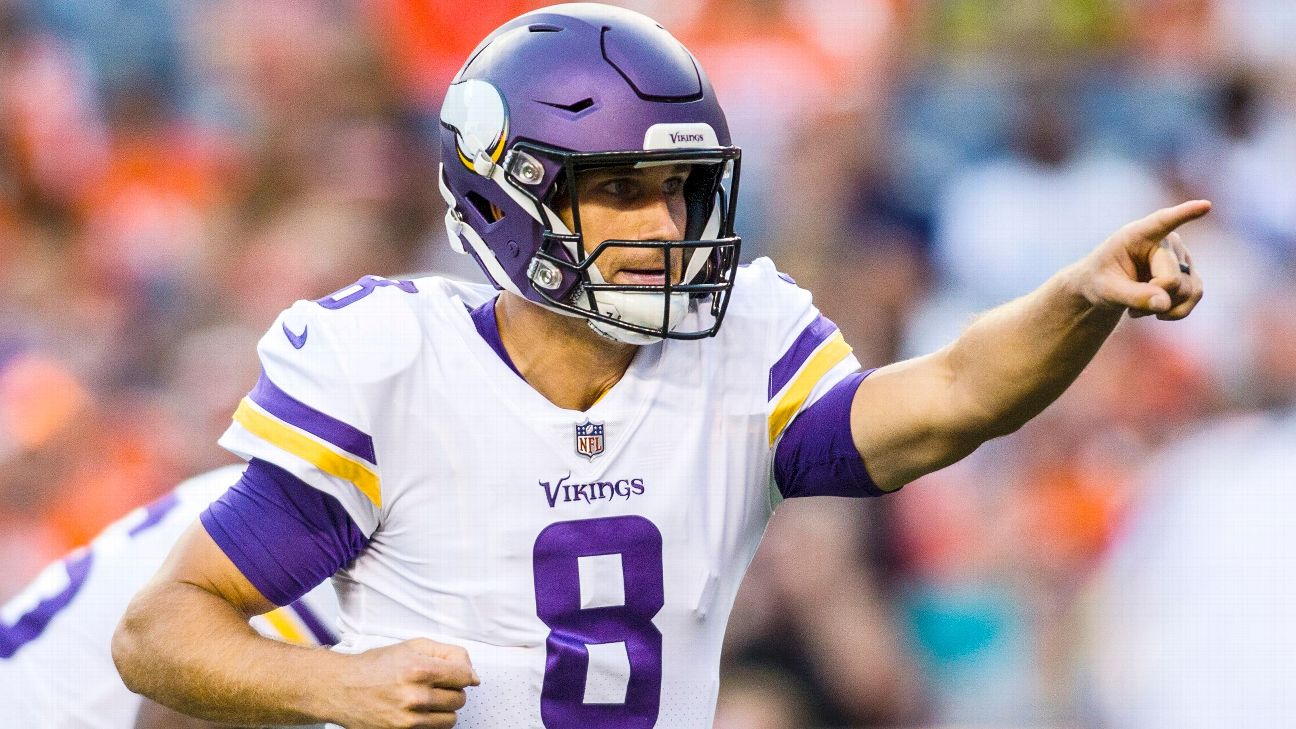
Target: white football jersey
point(56, 669)
point(587, 561)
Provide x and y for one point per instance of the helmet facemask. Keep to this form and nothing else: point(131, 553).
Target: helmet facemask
point(565, 270)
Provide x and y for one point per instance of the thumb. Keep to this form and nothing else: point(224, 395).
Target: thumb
point(1137, 296)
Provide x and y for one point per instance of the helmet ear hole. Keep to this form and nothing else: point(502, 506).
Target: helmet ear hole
point(560, 197)
point(489, 211)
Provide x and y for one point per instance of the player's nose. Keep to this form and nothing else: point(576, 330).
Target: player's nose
point(660, 222)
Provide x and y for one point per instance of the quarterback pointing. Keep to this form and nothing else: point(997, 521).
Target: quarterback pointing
point(536, 499)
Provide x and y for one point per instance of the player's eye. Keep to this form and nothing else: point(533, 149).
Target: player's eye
point(622, 188)
point(673, 186)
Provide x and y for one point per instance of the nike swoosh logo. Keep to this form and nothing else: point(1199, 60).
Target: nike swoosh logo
point(297, 340)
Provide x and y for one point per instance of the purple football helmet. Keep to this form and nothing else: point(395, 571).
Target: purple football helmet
point(573, 87)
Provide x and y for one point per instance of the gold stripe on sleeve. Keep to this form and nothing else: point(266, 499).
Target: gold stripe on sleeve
point(284, 626)
point(830, 354)
point(276, 433)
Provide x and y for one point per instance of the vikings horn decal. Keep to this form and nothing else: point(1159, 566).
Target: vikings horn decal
point(476, 111)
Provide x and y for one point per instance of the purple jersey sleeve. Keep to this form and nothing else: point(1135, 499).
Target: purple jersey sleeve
point(284, 536)
point(817, 455)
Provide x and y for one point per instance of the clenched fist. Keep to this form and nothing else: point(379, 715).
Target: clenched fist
point(1145, 266)
point(417, 684)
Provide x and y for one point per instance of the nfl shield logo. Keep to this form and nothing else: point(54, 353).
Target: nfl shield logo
point(589, 439)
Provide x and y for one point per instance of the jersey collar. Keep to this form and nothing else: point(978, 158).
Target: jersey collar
point(484, 320)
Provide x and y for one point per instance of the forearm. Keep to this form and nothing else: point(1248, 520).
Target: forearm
point(1016, 359)
point(1003, 370)
point(153, 715)
point(914, 417)
point(192, 651)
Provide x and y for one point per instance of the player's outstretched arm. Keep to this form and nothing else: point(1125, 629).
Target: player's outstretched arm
point(917, 416)
point(185, 642)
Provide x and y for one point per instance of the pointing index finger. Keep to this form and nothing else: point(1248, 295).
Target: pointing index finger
point(1160, 223)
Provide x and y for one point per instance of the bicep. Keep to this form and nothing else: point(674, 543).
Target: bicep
point(196, 594)
point(197, 560)
point(905, 422)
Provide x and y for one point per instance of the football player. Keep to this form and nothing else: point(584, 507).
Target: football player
point(56, 671)
point(542, 501)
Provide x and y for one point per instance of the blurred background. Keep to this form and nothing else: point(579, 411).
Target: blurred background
point(173, 173)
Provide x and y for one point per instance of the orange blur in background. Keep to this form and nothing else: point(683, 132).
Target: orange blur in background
point(173, 174)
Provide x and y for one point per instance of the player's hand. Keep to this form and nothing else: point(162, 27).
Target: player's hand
point(1145, 266)
point(417, 684)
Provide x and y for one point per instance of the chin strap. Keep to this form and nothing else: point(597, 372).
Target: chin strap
point(633, 307)
point(634, 312)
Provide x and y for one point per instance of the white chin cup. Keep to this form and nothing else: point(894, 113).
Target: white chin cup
point(642, 309)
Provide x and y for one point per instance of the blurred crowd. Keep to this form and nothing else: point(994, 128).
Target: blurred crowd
point(173, 173)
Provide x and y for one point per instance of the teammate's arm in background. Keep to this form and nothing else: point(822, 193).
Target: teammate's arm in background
point(920, 415)
point(186, 643)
